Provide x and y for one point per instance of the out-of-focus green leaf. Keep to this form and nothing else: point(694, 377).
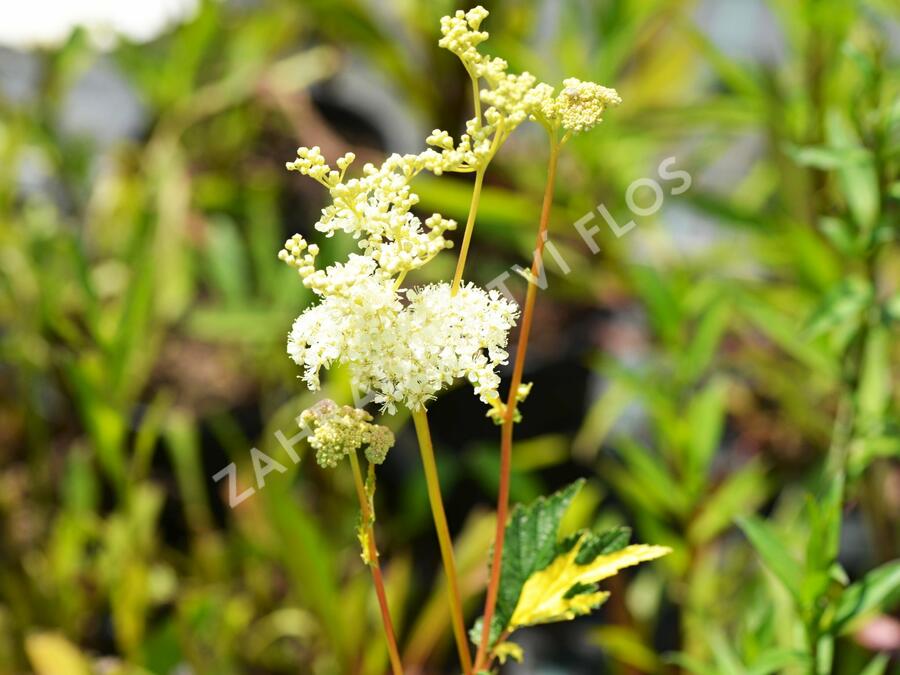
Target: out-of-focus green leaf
point(873, 592)
point(741, 492)
point(625, 645)
point(859, 180)
point(773, 552)
point(727, 661)
point(839, 233)
point(653, 477)
point(821, 157)
point(842, 305)
point(777, 661)
point(877, 666)
point(601, 417)
point(705, 419)
point(874, 391)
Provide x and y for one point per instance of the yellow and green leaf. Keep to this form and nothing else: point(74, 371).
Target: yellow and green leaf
point(567, 589)
point(544, 579)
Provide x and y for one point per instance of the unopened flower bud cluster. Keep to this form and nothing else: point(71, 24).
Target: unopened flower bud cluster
point(516, 97)
point(339, 430)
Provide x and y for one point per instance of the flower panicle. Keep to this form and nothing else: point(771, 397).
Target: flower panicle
point(406, 345)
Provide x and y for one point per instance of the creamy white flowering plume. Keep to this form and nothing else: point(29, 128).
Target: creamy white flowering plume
point(405, 353)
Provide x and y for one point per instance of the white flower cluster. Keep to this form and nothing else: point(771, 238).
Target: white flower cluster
point(407, 345)
point(339, 430)
point(405, 353)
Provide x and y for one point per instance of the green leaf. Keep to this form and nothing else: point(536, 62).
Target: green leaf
point(653, 477)
point(892, 307)
point(874, 393)
point(543, 579)
point(727, 661)
point(777, 660)
point(877, 665)
point(842, 304)
point(626, 645)
point(773, 553)
point(859, 179)
point(227, 262)
point(602, 416)
point(825, 512)
point(868, 594)
point(820, 157)
point(706, 416)
point(690, 664)
point(567, 587)
point(840, 233)
point(529, 545)
point(740, 493)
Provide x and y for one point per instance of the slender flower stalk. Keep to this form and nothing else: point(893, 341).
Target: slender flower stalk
point(446, 543)
point(467, 235)
point(506, 434)
point(375, 566)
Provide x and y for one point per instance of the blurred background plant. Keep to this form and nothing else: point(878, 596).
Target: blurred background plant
point(725, 374)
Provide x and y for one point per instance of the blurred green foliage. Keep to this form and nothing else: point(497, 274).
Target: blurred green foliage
point(749, 406)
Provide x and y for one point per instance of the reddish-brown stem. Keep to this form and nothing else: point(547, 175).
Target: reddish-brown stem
point(506, 433)
point(375, 566)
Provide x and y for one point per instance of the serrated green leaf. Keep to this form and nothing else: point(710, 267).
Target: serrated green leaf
point(566, 589)
point(602, 543)
point(546, 579)
point(530, 544)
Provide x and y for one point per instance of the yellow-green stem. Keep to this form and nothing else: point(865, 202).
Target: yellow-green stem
point(375, 566)
point(470, 225)
point(476, 96)
point(446, 543)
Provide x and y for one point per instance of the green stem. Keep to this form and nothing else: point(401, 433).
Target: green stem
point(443, 532)
point(476, 95)
point(470, 226)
